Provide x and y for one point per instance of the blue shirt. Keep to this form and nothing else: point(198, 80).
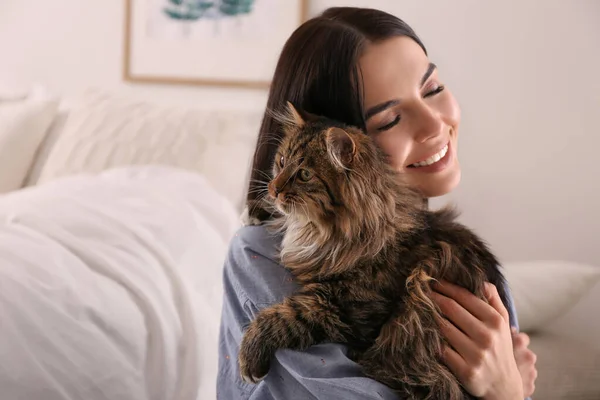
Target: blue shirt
point(252, 281)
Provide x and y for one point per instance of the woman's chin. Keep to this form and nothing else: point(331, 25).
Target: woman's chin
point(439, 185)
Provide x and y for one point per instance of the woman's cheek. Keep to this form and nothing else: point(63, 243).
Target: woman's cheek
point(449, 109)
point(394, 147)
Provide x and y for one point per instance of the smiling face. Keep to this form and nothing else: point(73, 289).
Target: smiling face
point(411, 116)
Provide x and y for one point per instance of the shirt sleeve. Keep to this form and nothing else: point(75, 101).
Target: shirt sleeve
point(512, 312)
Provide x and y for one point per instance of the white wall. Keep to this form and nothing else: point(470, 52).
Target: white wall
point(68, 45)
point(524, 71)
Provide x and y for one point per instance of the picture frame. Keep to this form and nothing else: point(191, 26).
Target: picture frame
point(178, 42)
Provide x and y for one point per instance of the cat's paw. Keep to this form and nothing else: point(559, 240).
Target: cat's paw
point(254, 356)
point(252, 370)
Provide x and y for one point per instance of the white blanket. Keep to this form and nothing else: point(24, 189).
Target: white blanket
point(110, 287)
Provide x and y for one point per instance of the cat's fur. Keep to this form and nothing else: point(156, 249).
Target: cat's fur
point(365, 251)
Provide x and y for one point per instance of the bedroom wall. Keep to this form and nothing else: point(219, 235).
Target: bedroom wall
point(525, 73)
point(68, 45)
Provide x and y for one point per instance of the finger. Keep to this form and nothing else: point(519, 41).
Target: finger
point(491, 293)
point(521, 340)
point(455, 363)
point(526, 358)
point(459, 316)
point(474, 305)
point(461, 343)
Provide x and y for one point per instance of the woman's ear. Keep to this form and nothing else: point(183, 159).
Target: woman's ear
point(340, 147)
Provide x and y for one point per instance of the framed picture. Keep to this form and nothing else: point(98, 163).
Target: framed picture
point(232, 43)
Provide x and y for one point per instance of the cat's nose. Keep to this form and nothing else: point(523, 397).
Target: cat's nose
point(280, 194)
point(274, 190)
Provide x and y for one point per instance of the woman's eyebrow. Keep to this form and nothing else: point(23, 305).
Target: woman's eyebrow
point(380, 108)
point(428, 73)
point(391, 103)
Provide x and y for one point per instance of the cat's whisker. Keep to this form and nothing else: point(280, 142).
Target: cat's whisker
point(258, 201)
point(293, 161)
point(292, 176)
point(276, 141)
point(263, 173)
point(272, 138)
point(259, 191)
point(258, 185)
point(260, 182)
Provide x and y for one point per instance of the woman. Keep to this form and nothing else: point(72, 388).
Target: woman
point(368, 69)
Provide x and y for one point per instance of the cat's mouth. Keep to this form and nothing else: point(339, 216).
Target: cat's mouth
point(432, 159)
point(287, 204)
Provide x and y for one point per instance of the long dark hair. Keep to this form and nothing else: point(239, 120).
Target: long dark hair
point(318, 72)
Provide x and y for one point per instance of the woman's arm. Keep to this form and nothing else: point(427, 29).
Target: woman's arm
point(481, 353)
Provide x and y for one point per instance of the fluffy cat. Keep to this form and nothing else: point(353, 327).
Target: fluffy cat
point(365, 251)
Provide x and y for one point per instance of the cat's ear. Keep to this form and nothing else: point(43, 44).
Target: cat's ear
point(292, 116)
point(340, 147)
point(295, 117)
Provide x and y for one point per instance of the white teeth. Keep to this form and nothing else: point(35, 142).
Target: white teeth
point(433, 159)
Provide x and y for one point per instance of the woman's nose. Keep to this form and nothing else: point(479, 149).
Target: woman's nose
point(429, 124)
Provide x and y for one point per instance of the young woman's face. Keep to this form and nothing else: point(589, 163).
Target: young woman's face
point(411, 115)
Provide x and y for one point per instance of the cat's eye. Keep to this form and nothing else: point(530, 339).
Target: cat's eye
point(305, 175)
point(281, 160)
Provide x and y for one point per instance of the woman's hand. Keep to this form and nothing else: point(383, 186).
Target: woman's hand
point(525, 359)
point(481, 353)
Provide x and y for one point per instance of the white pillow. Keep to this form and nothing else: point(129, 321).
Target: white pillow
point(545, 290)
point(23, 125)
point(104, 131)
point(54, 131)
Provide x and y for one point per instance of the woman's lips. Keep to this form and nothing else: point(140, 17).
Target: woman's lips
point(435, 163)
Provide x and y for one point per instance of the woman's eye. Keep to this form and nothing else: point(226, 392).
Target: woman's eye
point(435, 91)
point(390, 125)
point(305, 175)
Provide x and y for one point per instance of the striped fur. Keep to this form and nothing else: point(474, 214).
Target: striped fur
point(365, 251)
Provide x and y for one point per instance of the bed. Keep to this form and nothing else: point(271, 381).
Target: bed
point(115, 216)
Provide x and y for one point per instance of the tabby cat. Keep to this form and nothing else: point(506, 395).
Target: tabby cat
point(365, 251)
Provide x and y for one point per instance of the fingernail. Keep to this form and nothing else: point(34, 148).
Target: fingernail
point(513, 329)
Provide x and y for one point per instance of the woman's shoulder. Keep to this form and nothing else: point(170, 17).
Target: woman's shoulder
point(252, 270)
point(257, 239)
